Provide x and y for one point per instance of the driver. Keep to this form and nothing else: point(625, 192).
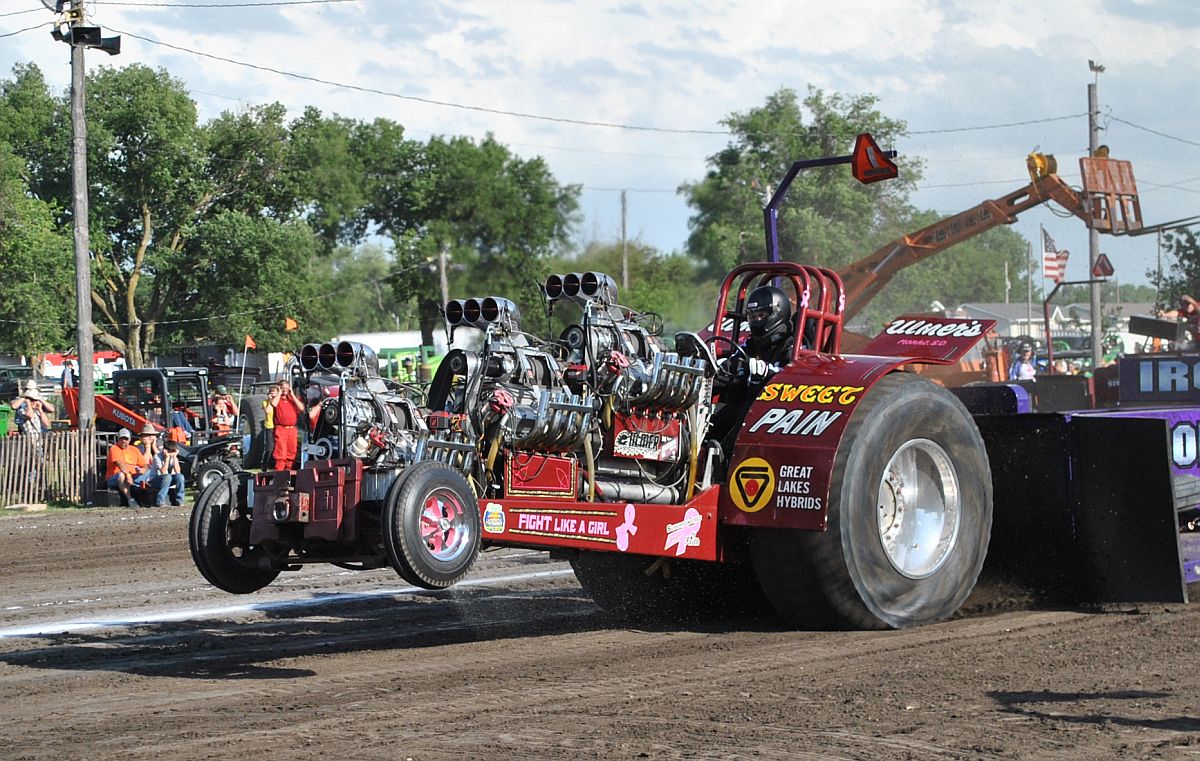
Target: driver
point(768, 349)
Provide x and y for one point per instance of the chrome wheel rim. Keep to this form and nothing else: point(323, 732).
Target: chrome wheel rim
point(919, 508)
point(445, 528)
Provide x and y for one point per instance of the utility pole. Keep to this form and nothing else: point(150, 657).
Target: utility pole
point(1029, 294)
point(443, 255)
point(624, 248)
point(1093, 233)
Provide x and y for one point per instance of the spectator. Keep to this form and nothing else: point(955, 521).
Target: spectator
point(224, 411)
point(1188, 311)
point(127, 467)
point(287, 411)
point(70, 376)
point(148, 442)
point(165, 473)
point(1023, 367)
point(30, 411)
point(181, 426)
point(268, 458)
point(407, 370)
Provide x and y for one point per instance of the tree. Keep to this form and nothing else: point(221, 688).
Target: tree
point(37, 306)
point(491, 213)
point(1183, 275)
point(158, 180)
point(828, 218)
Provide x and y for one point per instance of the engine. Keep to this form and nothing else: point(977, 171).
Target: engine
point(360, 413)
point(604, 412)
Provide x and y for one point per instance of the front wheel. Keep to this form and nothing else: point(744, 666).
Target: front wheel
point(209, 472)
point(910, 516)
point(209, 535)
point(431, 526)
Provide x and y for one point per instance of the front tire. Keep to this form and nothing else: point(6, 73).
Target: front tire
point(209, 472)
point(209, 532)
point(909, 518)
point(431, 526)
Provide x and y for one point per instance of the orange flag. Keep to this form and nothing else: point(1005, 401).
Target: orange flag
point(250, 342)
point(290, 324)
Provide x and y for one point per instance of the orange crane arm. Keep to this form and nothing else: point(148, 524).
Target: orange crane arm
point(863, 279)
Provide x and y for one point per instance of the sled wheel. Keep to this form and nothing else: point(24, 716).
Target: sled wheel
point(209, 533)
point(211, 471)
point(639, 588)
point(431, 526)
point(909, 518)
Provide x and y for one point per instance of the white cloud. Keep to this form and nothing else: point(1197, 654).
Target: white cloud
point(935, 64)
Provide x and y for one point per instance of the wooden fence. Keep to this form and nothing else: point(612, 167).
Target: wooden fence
point(59, 466)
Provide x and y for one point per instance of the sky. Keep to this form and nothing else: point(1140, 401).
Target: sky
point(629, 95)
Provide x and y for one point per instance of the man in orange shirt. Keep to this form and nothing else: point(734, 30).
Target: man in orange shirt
point(288, 409)
point(126, 464)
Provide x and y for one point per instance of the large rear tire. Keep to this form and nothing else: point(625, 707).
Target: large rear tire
point(431, 526)
point(909, 518)
point(209, 532)
point(639, 588)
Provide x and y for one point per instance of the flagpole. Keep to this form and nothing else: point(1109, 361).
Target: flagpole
point(1029, 295)
point(237, 418)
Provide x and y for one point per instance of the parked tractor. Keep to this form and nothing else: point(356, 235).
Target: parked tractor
point(149, 396)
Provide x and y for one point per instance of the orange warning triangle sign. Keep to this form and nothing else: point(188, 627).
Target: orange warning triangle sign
point(1103, 267)
point(870, 163)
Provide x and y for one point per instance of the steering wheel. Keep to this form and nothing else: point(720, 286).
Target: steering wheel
point(731, 369)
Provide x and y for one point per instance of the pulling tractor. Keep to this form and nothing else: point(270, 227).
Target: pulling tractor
point(849, 491)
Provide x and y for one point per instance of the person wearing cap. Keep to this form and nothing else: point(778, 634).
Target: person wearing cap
point(69, 374)
point(223, 410)
point(126, 465)
point(30, 411)
point(148, 443)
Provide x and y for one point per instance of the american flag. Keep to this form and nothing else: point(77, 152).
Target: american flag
point(1054, 262)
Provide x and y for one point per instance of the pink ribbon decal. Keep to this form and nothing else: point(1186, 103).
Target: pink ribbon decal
point(626, 529)
point(683, 534)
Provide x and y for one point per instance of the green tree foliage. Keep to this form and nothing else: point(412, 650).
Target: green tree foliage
point(827, 218)
point(37, 297)
point(493, 215)
point(665, 285)
point(165, 191)
point(1183, 276)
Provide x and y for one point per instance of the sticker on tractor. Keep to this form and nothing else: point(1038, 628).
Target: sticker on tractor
point(753, 484)
point(493, 518)
point(627, 529)
point(810, 394)
point(795, 422)
point(795, 488)
point(685, 533)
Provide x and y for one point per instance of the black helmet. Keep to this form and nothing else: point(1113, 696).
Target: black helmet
point(768, 311)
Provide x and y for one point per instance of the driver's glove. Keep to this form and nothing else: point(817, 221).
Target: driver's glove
point(760, 370)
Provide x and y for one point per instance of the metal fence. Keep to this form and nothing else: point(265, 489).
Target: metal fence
point(59, 466)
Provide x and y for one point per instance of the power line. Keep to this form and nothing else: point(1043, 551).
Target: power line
point(429, 101)
point(997, 126)
point(1154, 131)
point(22, 13)
point(22, 31)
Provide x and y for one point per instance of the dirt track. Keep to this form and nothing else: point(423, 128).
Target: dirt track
point(340, 665)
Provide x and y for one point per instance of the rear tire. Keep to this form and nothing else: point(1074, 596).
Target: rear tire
point(909, 518)
point(209, 532)
point(431, 526)
point(662, 590)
